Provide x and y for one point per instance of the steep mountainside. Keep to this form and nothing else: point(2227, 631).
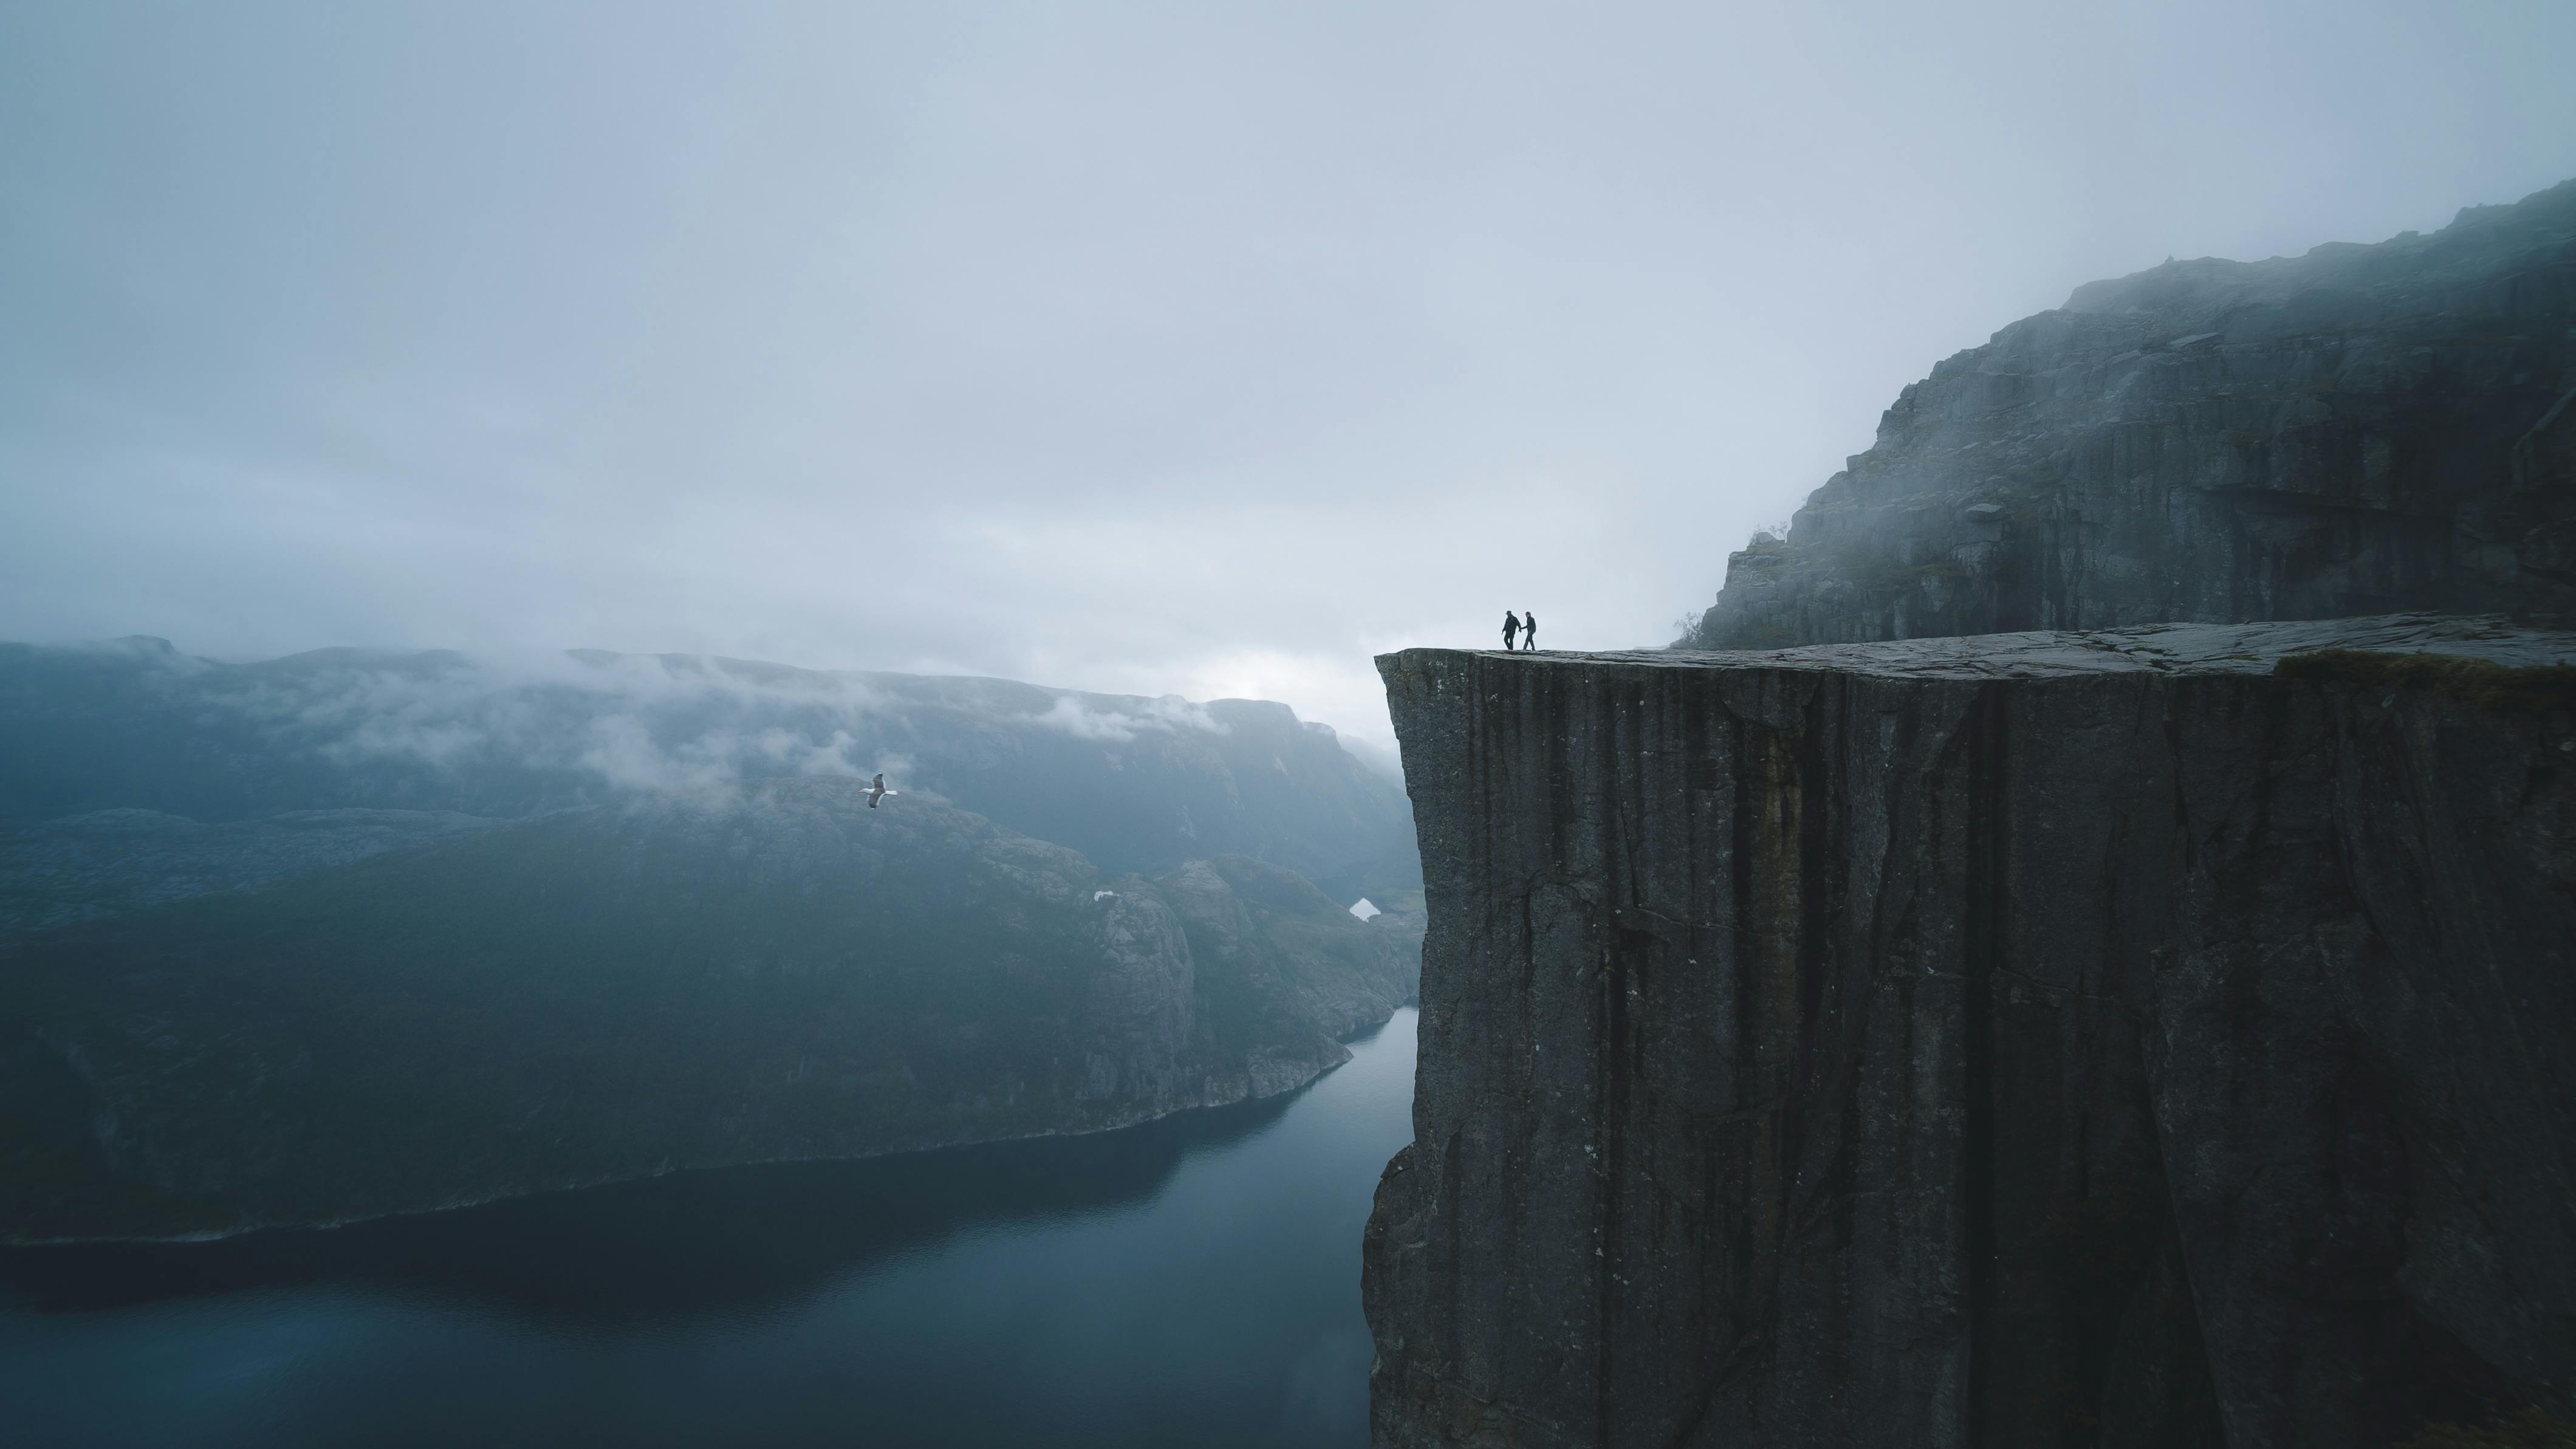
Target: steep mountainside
point(2163, 1037)
point(1135, 784)
point(2358, 430)
point(82, 867)
point(741, 974)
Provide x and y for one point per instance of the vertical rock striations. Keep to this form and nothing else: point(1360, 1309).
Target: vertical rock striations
point(2153, 1037)
point(2357, 430)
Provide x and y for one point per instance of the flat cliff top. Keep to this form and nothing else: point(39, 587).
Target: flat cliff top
point(2163, 648)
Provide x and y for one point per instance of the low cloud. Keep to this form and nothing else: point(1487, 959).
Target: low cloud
point(1169, 714)
point(644, 723)
point(574, 725)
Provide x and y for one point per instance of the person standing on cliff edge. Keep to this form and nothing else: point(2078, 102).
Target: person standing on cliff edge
point(1511, 626)
point(1529, 632)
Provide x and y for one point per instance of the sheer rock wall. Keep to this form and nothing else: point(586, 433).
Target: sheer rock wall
point(2032, 1039)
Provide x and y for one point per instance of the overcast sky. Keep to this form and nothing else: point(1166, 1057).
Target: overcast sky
point(1196, 348)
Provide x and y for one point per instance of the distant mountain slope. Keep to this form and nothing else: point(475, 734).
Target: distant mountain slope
point(733, 974)
point(2359, 430)
point(1134, 783)
point(85, 866)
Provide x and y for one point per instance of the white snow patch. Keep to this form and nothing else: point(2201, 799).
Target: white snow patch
point(1364, 910)
point(1095, 895)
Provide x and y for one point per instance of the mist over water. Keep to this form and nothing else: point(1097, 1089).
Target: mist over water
point(1187, 1282)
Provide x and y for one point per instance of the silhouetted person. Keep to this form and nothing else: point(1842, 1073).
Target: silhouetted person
point(1511, 627)
point(1529, 632)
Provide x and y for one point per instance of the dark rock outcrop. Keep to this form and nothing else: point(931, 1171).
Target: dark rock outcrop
point(2363, 429)
point(2153, 1037)
point(609, 992)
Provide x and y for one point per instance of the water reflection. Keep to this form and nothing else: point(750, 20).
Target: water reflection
point(1187, 1282)
point(690, 1243)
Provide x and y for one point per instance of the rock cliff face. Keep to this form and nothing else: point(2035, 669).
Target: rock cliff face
point(610, 992)
point(2153, 1037)
point(2358, 430)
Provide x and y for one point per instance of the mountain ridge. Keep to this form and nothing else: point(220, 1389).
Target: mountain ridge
point(1138, 783)
point(611, 991)
point(2361, 429)
point(356, 932)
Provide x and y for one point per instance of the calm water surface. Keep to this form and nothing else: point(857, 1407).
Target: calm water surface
point(1190, 1282)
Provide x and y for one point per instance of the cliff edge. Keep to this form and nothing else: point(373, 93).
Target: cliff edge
point(2162, 1036)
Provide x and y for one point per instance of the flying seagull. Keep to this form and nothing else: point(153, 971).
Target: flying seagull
point(879, 792)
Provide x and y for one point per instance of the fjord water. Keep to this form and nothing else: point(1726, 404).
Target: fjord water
point(1192, 1281)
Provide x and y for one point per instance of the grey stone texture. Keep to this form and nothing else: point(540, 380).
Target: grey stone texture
point(2359, 430)
point(2146, 1037)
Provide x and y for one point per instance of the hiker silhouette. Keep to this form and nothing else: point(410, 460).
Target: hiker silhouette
point(1511, 627)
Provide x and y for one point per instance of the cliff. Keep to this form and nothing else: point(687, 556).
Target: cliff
point(615, 991)
point(2163, 1036)
point(2362, 429)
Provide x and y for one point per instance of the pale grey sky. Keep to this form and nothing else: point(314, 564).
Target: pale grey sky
point(1159, 348)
